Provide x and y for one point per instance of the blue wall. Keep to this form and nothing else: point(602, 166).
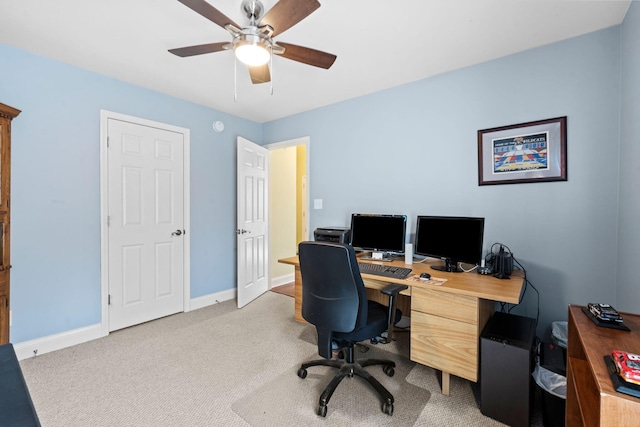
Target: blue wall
point(55, 248)
point(413, 150)
point(629, 230)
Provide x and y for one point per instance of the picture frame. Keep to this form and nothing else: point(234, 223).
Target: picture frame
point(523, 153)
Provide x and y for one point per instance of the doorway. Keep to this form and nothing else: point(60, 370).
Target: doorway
point(288, 205)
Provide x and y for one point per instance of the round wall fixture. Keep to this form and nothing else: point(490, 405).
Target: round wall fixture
point(218, 126)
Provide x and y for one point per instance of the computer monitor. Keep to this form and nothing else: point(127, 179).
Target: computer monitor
point(450, 238)
point(380, 234)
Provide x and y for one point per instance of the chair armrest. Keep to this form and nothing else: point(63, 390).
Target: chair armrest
point(393, 289)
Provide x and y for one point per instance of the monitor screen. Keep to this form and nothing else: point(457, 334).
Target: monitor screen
point(453, 239)
point(378, 233)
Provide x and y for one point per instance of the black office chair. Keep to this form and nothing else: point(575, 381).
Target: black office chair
point(334, 300)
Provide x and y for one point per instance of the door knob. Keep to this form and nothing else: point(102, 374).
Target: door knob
point(241, 231)
point(177, 233)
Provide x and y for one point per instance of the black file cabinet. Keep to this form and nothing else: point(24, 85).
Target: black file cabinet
point(506, 362)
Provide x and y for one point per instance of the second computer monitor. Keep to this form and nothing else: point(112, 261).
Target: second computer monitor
point(380, 234)
point(450, 238)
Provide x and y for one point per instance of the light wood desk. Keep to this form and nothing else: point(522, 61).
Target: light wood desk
point(447, 320)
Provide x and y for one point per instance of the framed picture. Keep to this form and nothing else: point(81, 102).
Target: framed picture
point(526, 152)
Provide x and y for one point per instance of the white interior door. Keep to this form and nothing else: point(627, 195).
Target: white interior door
point(146, 224)
point(252, 221)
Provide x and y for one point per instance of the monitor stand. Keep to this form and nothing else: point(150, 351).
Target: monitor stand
point(449, 266)
point(378, 256)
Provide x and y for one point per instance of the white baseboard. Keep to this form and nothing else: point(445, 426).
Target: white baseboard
point(211, 299)
point(59, 341)
point(32, 348)
point(277, 281)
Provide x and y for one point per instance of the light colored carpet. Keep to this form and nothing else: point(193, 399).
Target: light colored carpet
point(354, 402)
point(197, 369)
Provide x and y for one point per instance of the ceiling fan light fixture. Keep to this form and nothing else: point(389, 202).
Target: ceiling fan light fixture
point(254, 44)
point(251, 50)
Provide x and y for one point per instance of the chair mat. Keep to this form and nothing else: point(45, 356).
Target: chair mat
point(354, 403)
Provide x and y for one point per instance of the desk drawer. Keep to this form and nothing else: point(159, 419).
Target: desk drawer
point(448, 345)
point(457, 307)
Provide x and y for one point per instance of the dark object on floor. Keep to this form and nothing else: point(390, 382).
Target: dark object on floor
point(506, 363)
point(554, 359)
point(16, 407)
point(334, 300)
point(553, 410)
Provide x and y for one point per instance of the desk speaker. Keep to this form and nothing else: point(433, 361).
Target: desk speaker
point(408, 253)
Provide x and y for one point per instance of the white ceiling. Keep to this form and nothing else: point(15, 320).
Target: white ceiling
point(379, 44)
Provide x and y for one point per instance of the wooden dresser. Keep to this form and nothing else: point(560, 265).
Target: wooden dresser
point(591, 398)
point(6, 115)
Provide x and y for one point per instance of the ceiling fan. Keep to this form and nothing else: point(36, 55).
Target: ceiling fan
point(254, 44)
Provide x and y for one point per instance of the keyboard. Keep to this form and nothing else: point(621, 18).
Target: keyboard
point(384, 270)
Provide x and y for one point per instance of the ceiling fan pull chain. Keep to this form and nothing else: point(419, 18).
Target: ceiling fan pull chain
point(235, 79)
point(271, 66)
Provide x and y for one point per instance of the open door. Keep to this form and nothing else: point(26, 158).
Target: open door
point(252, 221)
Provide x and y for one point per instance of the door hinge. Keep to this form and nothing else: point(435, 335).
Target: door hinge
point(109, 299)
point(107, 142)
point(108, 220)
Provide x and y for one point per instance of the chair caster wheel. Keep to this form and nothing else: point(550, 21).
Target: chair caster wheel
point(387, 408)
point(302, 373)
point(341, 354)
point(322, 410)
point(389, 371)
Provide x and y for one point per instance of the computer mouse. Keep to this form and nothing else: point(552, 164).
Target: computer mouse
point(425, 276)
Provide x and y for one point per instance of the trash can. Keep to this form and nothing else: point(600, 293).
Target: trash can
point(559, 334)
point(550, 375)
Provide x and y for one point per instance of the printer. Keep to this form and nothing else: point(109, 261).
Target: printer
point(332, 234)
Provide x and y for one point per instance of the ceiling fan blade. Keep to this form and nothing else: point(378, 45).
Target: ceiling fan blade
point(259, 74)
point(208, 11)
point(287, 13)
point(307, 55)
point(198, 49)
